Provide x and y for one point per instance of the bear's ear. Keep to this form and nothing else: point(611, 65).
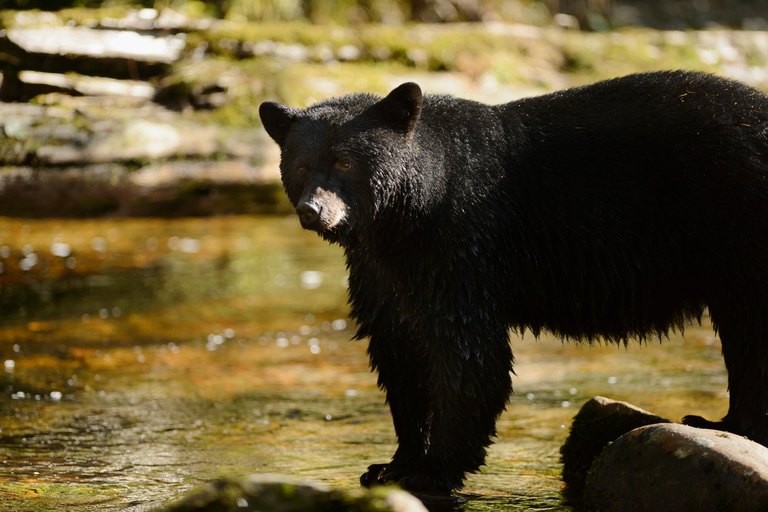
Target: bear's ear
point(401, 108)
point(277, 119)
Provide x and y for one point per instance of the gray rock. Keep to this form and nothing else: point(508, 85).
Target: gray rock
point(276, 493)
point(673, 468)
point(599, 422)
point(87, 42)
point(78, 85)
point(58, 50)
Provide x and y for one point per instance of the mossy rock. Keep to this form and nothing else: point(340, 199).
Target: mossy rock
point(276, 493)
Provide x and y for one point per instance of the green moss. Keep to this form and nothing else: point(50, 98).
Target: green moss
point(284, 32)
point(92, 16)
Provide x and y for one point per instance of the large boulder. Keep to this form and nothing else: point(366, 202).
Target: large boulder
point(599, 422)
point(673, 468)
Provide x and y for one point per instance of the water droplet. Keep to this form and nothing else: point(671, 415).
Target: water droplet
point(310, 318)
point(350, 393)
point(104, 313)
point(152, 244)
point(28, 262)
point(304, 330)
point(328, 417)
point(56, 395)
point(315, 349)
point(573, 391)
point(189, 245)
point(10, 364)
point(530, 396)
point(16, 348)
point(332, 345)
point(86, 318)
point(116, 311)
point(27, 250)
point(282, 342)
point(311, 279)
point(339, 325)
point(99, 244)
point(71, 262)
point(5, 251)
point(229, 333)
point(565, 403)
point(612, 380)
point(60, 249)
point(241, 502)
point(173, 243)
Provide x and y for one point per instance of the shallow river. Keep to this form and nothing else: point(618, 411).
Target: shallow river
point(143, 357)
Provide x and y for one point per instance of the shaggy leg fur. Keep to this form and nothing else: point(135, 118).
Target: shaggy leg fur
point(444, 407)
point(745, 352)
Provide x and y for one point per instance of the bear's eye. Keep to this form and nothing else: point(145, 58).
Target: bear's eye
point(301, 170)
point(343, 165)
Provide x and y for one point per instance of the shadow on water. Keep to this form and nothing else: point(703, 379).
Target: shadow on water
point(142, 357)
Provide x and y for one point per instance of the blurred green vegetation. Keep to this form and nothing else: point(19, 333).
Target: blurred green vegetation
point(323, 11)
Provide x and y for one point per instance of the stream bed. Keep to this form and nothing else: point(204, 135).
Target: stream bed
point(143, 357)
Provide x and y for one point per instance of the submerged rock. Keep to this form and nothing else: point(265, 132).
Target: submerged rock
point(276, 493)
point(674, 468)
point(599, 422)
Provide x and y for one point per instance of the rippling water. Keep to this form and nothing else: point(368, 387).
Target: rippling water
point(143, 357)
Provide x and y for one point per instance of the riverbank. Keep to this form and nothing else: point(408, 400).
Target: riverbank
point(168, 125)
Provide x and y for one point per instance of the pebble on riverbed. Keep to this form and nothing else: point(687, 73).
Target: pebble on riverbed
point(277, 493)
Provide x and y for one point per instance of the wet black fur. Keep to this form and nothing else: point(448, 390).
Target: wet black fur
point(613, 211)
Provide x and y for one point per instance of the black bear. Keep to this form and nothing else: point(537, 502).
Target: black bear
point(614, 211)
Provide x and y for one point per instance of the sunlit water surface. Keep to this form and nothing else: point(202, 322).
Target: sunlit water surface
point(144, 357)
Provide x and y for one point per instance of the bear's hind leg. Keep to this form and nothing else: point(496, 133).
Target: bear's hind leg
point(745, 351)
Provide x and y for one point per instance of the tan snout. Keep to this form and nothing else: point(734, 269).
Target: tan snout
point(323, 210)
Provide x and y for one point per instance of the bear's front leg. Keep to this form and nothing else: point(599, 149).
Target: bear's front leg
point(445, 396)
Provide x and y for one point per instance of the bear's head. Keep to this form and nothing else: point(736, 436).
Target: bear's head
point(343, 159)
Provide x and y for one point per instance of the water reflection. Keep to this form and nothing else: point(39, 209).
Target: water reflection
point(142, 357)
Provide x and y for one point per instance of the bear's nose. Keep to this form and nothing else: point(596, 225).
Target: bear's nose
point(308, 214)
